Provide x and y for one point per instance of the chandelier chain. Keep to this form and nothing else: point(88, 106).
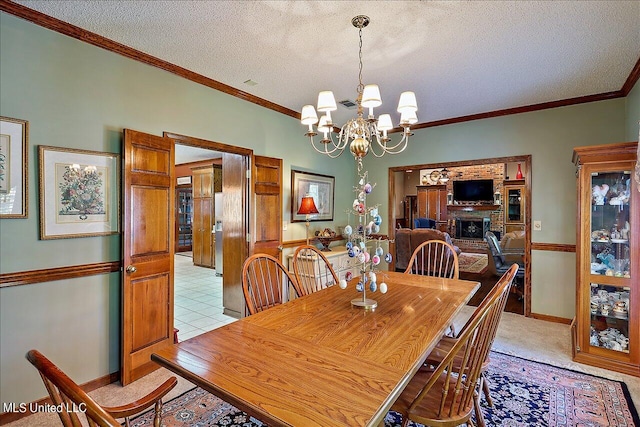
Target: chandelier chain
point(360, 85)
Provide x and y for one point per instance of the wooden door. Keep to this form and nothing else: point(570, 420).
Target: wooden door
point(197, 232)
point(267, 196)
point(202, 231)
point(147, 241)
point(235, 245)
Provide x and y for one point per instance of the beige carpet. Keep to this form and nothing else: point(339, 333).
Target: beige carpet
point(472, 263)
point(517, 335)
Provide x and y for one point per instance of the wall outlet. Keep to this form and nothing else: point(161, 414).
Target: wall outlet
point(537, 225)
point(285, 225)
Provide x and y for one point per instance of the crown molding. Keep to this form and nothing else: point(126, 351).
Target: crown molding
point(631, 80)
point(70, 30)
point(523, 109)
point(78, 33)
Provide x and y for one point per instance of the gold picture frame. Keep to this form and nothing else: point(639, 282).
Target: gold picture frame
point(79, 193)
point(14, 143)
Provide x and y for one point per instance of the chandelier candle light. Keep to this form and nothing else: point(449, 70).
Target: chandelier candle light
point(360, 132)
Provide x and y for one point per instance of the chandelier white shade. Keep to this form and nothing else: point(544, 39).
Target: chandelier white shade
point(361, 134)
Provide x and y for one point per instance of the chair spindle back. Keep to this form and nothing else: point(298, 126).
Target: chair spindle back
point(266, 283)
point(434, 258)
point(312, 269)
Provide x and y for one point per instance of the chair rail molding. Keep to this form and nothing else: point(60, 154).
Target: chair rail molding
point(58, 273)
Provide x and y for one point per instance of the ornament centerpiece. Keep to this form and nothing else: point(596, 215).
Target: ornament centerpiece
point(368, 258)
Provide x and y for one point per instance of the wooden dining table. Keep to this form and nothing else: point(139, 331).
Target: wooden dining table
point(320, 361)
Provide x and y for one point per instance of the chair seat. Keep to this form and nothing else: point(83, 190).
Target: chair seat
point(441, 350)
point(426, 412)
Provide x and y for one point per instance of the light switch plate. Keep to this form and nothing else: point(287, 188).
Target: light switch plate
point(285, 225)
point(537, 225)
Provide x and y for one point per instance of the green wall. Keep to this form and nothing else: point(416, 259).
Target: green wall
point(549, 136)
point(79, 96)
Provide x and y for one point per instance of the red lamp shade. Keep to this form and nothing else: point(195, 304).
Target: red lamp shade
point(307, 206)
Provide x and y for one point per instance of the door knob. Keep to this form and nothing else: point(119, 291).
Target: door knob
point(131, 269)
point(280, 247)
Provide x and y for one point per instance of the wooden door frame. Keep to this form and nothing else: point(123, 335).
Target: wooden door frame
point(525, 159)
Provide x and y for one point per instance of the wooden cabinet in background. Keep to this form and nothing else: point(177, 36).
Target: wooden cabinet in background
point(606, 329)
point(432, 203)
point(206, 182)
point(203, 249)
point(514, 205)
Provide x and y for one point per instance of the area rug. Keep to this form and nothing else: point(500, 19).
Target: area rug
point(472, 263)
point(527, 393)
point(524, 393)
point(198, 407)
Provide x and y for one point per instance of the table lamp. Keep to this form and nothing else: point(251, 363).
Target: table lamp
point(307, 207)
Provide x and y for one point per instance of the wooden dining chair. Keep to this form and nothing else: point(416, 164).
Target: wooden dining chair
point(266, 283)
point(447, 395)
point(312, 269)
point(446, 343)
point(64, 391)
point(434, 258)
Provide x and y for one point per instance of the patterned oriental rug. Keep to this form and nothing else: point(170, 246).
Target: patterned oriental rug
point(524, 393)
point(473, 263)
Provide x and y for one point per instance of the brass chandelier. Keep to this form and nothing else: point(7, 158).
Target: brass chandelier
point(361, 134)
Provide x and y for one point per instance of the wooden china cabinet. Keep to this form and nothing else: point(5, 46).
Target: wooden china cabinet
point(432, 203)
point(606, 329)
point(184, 212)
point(207, 180)
point(514, 205)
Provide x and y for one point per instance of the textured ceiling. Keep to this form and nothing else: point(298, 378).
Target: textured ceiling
point(460, 57)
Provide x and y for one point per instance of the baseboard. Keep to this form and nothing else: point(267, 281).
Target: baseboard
point(8, 417)
point(548, 318)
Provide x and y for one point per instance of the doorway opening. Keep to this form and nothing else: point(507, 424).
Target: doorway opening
point(428, 191)
point(203, 288)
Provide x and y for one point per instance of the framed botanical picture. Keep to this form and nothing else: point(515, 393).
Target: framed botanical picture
point(79, 193)
point(14, 141)
point(320, 187)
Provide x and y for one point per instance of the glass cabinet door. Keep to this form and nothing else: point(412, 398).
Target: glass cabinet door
point(514, 213)
point(610, 259)
point(184, 211)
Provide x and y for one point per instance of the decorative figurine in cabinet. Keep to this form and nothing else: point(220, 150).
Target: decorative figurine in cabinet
point(606, 329)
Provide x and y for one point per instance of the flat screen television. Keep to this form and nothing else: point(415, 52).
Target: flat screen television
point(475, 190)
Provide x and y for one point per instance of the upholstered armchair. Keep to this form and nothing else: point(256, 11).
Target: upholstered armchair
point(424, 223)
point(512, 244)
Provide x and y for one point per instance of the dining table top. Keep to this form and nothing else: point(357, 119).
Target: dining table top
point(320, 361)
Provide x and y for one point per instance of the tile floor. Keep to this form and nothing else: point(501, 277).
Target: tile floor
point(197, 299)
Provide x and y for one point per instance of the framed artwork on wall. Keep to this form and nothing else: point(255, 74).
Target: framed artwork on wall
point(14, 142)
point(79, 193)
point(320, 187)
